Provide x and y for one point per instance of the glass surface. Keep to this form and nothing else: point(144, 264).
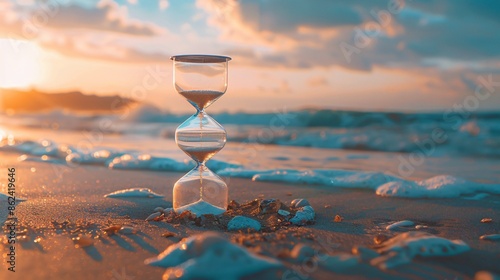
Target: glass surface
point(201, 79)
point(200, 191)
point(200, 137)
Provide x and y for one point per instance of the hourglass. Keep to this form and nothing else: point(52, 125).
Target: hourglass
point(201, 79)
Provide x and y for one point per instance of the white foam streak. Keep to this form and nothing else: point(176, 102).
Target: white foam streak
point(442, 186)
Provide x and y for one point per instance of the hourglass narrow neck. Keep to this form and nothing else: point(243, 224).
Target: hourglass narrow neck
point(200, 165)
point(200, 112)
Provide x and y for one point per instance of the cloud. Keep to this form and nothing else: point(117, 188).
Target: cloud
point(317, 81)
point(163, 4)
point(71, 30)
point(106, 16)
point(78, 46)
point(357, 34)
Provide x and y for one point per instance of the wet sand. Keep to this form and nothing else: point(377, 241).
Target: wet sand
point(57, 193)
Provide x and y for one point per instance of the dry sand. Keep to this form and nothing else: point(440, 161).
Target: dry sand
point(78, 197)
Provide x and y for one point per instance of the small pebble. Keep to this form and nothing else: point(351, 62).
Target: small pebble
point(82, 241)
point(168, 234)
point(380, 238)
point(283, 254)
point(283, 212)
point(112, 229)
point(328, 206)
point(233, 205)
point(365, 254)
point(127, 230)
point(22, 238)
point(168, 211)
point(338, 262)
point(486, 220)
point(305, 215)
point(243, 223)
point(397, 225)
point(420, 226)
point(492, 237)
point(154, 216)
point(302, 252)
point(269, 205)
point(299, 202)
point(338, 218)
point(486, 275)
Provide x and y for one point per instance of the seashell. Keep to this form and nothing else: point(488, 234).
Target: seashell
point(486, 220)
point(154, 216)
point(338, 218)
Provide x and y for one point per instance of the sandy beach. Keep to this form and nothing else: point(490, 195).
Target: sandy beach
point(78, 197)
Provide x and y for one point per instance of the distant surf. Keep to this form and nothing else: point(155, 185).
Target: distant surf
point(440, 133)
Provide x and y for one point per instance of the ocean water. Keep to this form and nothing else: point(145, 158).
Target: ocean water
point(394, 154)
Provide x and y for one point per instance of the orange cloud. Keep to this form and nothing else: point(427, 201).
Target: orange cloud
point(78, 31)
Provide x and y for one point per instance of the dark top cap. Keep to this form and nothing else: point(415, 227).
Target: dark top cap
point(200, 58)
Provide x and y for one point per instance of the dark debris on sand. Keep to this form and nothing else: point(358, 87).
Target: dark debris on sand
point(265, 211)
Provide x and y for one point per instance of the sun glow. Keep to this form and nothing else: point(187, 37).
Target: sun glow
point(18, 63)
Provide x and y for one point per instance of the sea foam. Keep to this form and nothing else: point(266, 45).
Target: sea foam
point(51, 152)
point(210, 256)
point(404, 247)
point(135, 192)
point(442, 186)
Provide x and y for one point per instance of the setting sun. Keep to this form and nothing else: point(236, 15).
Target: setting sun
point(18, 63)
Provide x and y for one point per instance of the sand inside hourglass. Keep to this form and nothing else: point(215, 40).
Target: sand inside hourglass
point(201, 98)
point(201, 207)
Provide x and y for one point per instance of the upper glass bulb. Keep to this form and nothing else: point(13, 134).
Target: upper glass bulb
point(201, 79)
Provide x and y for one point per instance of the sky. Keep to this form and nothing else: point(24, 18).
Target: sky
point(370, 55)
